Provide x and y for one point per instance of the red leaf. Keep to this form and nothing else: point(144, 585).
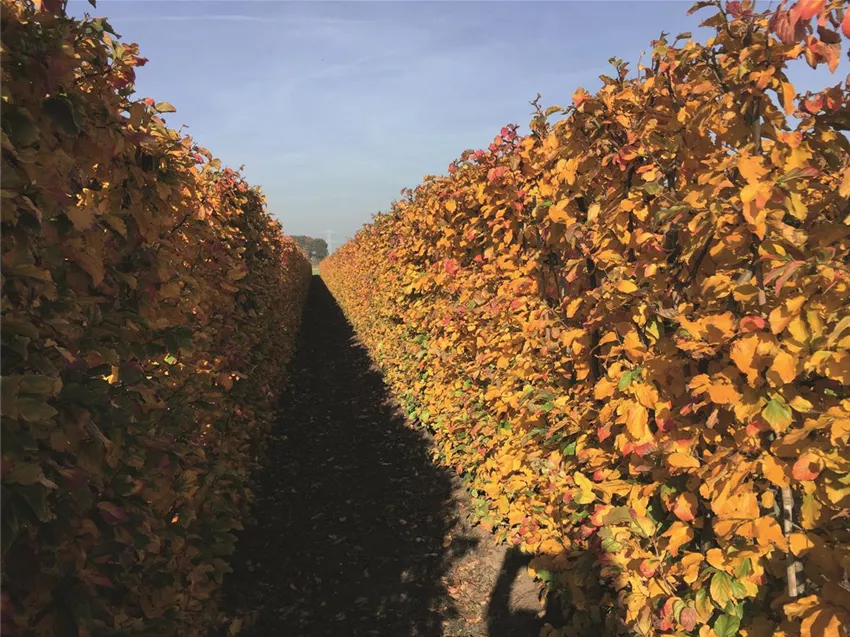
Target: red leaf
point(688, 618)
point(786, 27)
point(50, 6)
point(756, 427)
point(752, 324)
point(495, 173)
point(808, 467)
point(807, 9)
point(451, 266)
point(813, 104)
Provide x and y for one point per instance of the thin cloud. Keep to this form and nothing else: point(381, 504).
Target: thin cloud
point(196, 18)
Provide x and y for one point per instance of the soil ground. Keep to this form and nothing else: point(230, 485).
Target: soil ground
point(357, 532)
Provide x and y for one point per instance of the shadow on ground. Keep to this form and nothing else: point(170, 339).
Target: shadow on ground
point(357, 532)
point(351, 513)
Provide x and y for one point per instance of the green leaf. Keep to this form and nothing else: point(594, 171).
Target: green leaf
point(744, 569)
point(570, 449)
point(10, 525)
point(39, 385)
point(618, 515)
point(9, 387)
point(722, 588)
point(165, 107)
point(726, 626)
point(25, 473)
point(627, 378)
point(17, 326)
point(611, 546)
point(777, 414)
point(34, 409)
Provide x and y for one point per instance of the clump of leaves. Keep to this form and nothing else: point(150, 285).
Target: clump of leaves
point(636, 335)
point(149, 305)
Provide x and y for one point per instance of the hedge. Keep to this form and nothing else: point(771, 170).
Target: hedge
point(629, 331)
point(149, 308)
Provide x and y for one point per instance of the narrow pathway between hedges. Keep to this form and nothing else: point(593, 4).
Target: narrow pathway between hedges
point(356, 531)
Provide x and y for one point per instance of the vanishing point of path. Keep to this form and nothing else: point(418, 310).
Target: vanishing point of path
point(356, 531)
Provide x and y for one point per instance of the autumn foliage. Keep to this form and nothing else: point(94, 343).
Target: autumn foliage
point(149, 304)
point(630, 331)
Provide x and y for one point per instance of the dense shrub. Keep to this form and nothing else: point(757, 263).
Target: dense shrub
point(150, 305)
point(630, 331)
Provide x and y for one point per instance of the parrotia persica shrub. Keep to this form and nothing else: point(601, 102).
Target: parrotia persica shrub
point(149, 306)
point(630, 331)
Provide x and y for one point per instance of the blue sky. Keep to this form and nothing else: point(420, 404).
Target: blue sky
point(333, 107)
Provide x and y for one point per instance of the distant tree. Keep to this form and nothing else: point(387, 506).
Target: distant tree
point(320, 249)
point(316, 249)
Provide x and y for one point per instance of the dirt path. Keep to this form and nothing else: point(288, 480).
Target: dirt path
point(357, 532)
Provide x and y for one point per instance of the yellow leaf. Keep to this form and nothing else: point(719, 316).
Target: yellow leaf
point(801, 606)
point(646, 394)
point(582, 482)
point(810, 511)
point(719, 389)
point(825, 621)
point(782, 315)
point(789, 93)
point(776, 471)
point(451, 205)
point(800, 543)
point(743, 355)
point(680, 460)
point(636, 421)
point(679, 534)
point(768, 531)
point(626, 286)
point(751, 168)
point(716, 558)
point(691, 563)
point(785, 367)
point(800, 404)
point(844, 188)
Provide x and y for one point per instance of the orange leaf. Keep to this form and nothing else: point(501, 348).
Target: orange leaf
point(679, 534)
point(686, 507)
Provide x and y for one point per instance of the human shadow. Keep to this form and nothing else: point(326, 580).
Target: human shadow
point(350, 513)
point(508, 614)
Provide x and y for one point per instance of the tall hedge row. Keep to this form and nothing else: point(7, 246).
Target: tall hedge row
point(630, 331)
point(149, 306)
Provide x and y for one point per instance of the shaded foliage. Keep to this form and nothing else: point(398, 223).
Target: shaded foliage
point(149, 304)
